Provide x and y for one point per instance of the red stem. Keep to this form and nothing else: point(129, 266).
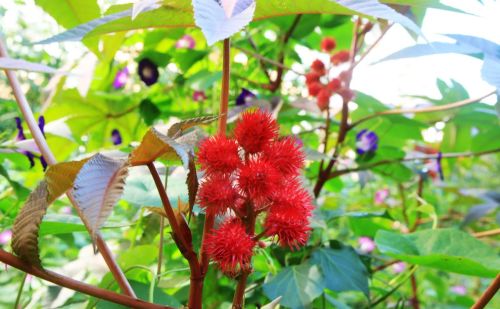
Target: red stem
point(488, 294)
point(224, 101)
point(72, 284)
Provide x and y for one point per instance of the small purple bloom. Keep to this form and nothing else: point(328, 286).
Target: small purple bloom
point(116, 137)
point(121, 78)
point(5, 237)
point(66, 210)
point(199, 96)
point(399, 267)
point(245, 96)
point(41, 125)
point(186, 41)
point(148, 71)
point(439, 167)
point(366, 244)
point(381, 196)
point(21, 137)
point(366, 141)
point(459, 290)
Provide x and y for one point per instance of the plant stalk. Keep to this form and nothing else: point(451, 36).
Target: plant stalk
point(37, 134)
point(75, 285)
point(488, 294)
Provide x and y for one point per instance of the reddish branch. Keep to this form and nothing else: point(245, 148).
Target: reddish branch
point(72, 284)
point(37, 134)
point(183, 242)
point(488, 294)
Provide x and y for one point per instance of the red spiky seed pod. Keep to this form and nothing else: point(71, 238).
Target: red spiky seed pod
point(289, 225)
point(230, 246)
point(258, 179)
point(292, 195)
point(323, 99)
point(315, 88)
point(334, 85)
point(218, 154)
point(285, 155)
point(312, 77)
point(340, 57)
point(328, 44)
point(318, 66)
point(255, 130)
point(217, 194)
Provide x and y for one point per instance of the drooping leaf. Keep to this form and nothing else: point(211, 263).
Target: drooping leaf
point(21, 191)
point(446, 249)
point(214, 22)
point(178, 128)
point(98, 187)
point(379, 10)
point(299, 285)
point(489, 48)
point(342, 269)
point(58, 179)
point(144, 5)
point(17, 64)
point(192, 183)
point(26, 226)
point(154, 145)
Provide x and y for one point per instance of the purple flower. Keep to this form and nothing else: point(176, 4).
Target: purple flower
point(459, 290)
point(186, 41)
point(116, 137)
point(21, 137)
point(439, 167)
point(245, 96)
point(121, 78)
point(398, 267)
point(41, 125)
point(199, 96)
point(148, 71)
point(5, 237)
point(66, 210)
point(366, 141)
point(366, 244)
point(381, 196)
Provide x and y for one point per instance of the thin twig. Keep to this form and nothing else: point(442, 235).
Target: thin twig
point(488, 294)
point(421, 158)
point(430, 109)
point(37, 134)
point(372, 46)
point(487, 233)
point(20, 291)
point(265, 59)
point(75, 285)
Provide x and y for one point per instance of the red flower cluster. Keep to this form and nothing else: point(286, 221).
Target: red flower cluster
point(321, 90)
point(255, 173)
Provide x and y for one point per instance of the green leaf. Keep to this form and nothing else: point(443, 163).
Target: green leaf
point(149, 111)
point(21, 191)
point(342, 269)
point(142, 292)
point(186, 59)
point(446, 249)
point(299, 285)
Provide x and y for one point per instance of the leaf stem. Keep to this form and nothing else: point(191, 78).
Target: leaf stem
point(424, 109)
point(488, 294)
point(224, 100)
point(75, 285)
point(37, 134)
point(487, 233)
point(20, 291)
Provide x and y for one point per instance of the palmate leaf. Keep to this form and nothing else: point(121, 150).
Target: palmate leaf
point(218, 22)
point(179, 14)
point(17, 64)
point(144, 5)
point(178, 128)
point(98, 187)
point(58, 179)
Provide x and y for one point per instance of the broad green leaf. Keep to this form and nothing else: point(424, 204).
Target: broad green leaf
point(61, 224)
point(342, 269)
point(299, 285)
point(98, 187)
point(149, 111)
point(17, 64)
point(489, 48)
point(450, 250)
point(142, 291)
point(21, 191)
point(144, 5)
